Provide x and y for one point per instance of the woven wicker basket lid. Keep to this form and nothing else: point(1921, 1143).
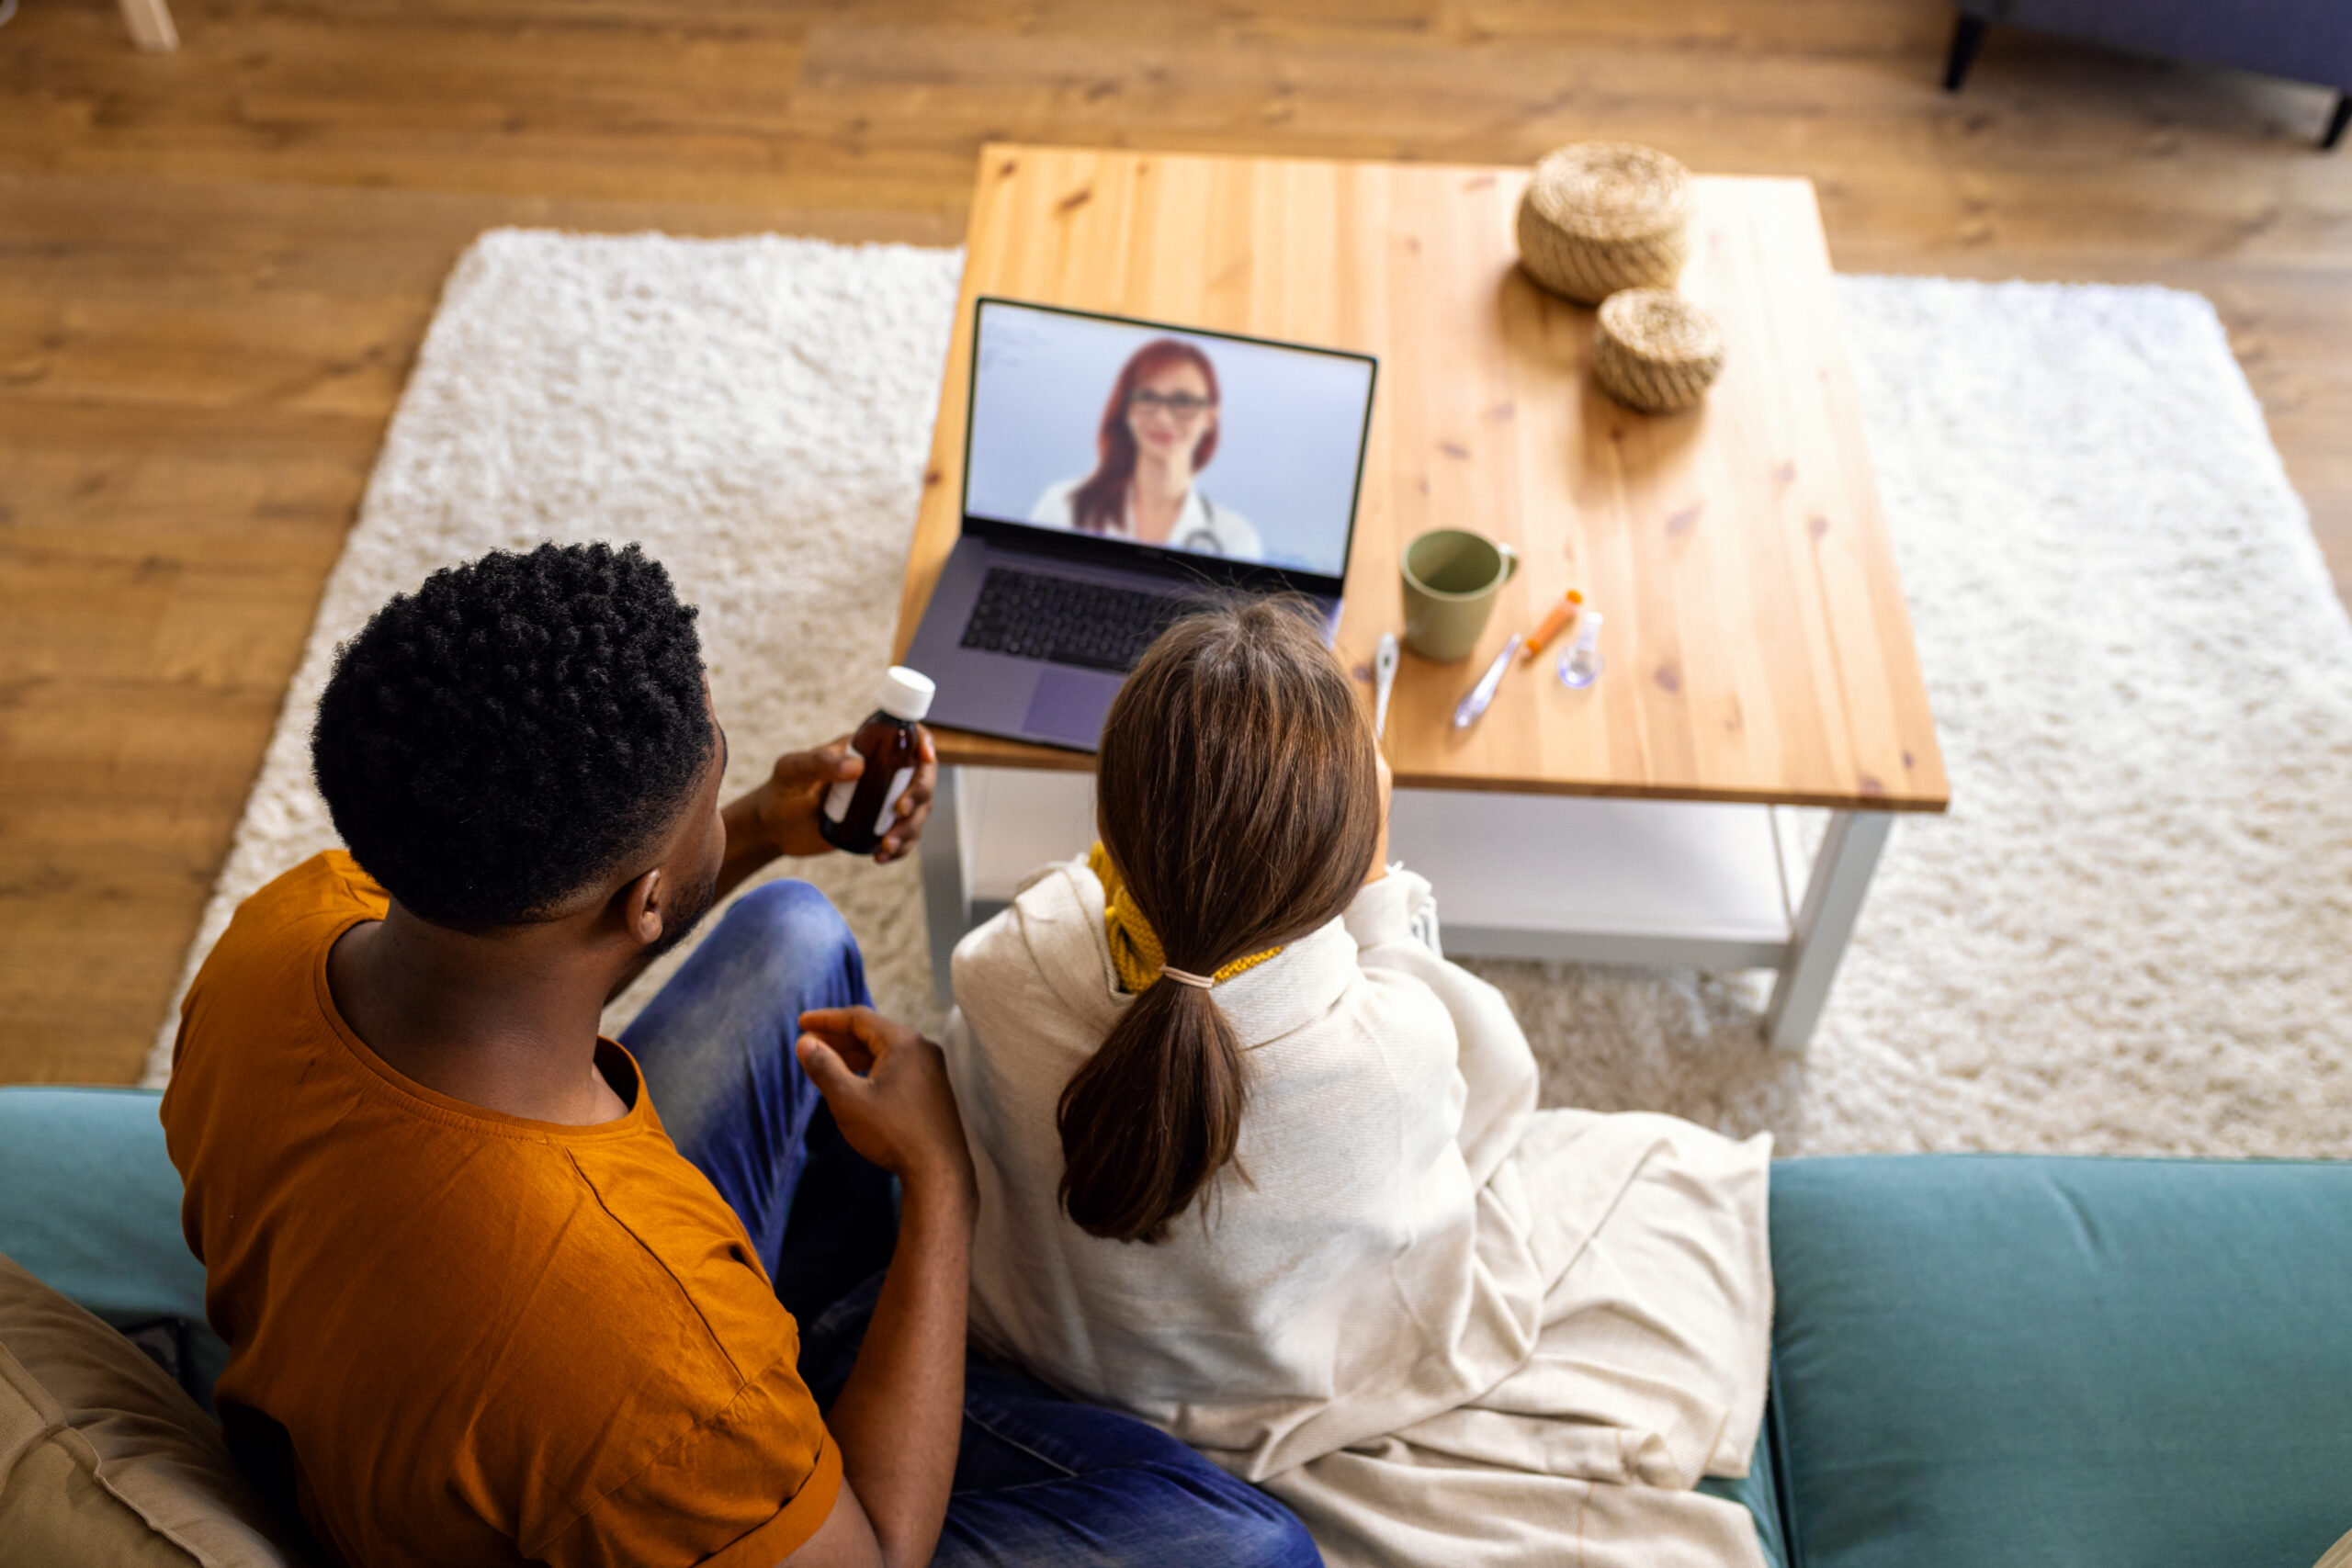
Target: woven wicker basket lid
point(1654, 351)
point(1611, 190)
point(1660, 325)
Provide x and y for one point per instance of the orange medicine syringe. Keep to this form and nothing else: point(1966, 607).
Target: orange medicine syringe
point(1570, 604)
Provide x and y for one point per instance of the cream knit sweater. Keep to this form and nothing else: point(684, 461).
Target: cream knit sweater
point(1445, 1327)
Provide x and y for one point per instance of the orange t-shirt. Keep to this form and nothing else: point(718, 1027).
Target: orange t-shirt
point(485, 1340)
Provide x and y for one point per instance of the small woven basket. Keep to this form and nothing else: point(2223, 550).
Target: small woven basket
point(1654, 351)
point(1601, 216)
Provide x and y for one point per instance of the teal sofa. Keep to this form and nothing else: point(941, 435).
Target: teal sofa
point(1979, 1360)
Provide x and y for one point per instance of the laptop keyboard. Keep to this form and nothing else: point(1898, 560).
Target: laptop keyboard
point(1032, 616)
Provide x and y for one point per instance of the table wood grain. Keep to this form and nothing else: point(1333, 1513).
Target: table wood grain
point(1758, 644)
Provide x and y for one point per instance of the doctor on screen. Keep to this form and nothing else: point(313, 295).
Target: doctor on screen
point(1159, 432)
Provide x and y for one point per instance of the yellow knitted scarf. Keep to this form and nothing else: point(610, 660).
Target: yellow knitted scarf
point(1134, 946)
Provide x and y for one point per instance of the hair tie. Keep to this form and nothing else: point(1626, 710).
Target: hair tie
point(1185, 978)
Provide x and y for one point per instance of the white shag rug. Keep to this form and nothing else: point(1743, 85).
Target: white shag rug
point(2132, 932)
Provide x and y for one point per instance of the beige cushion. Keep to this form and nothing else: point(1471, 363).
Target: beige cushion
point(102, 1458)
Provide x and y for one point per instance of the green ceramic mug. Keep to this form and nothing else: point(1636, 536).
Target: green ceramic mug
point(1451, 579)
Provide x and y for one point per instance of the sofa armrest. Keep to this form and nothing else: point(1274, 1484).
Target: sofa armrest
point(2106, 1363)
point(90, 1205)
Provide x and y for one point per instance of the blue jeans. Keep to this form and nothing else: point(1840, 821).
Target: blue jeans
point(1039, 1480)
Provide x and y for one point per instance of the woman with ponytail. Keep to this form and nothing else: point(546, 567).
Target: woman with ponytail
point(1259, 1164)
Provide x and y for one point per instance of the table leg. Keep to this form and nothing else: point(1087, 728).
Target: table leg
point(1967, 38)
point(1832, 898)
point(947, 877)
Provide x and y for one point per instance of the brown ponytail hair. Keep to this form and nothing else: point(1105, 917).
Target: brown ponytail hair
point(1239, 801)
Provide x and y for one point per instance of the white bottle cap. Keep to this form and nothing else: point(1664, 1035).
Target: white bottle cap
point(906, 694)
point(1589, 629)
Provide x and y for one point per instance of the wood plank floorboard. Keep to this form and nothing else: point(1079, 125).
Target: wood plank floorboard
point(216, 266)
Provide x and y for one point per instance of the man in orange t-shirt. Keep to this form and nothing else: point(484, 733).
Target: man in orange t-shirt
point(484, 1303)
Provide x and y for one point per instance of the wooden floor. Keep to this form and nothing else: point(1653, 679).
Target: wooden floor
point(215, 267)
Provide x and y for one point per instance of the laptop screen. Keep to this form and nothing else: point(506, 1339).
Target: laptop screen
point(1190, 441)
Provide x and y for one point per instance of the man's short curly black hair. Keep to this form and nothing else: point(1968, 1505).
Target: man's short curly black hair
point(515, 729)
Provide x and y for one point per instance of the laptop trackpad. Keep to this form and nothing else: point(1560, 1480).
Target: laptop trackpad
point(1068, 705)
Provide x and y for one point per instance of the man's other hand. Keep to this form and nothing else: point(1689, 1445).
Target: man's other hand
point(899, 1418)
point(786, 806)
point(887, 1087)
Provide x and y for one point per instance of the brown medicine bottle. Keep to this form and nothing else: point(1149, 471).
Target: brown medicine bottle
point(858, 812)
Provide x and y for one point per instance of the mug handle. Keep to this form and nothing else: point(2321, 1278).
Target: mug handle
point(1510, 560)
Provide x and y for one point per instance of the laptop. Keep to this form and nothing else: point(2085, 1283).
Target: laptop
point(1115, 471)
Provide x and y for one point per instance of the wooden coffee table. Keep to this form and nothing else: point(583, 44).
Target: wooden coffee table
point(1759, 653)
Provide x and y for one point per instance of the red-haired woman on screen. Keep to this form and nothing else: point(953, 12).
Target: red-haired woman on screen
point(1158, 431)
